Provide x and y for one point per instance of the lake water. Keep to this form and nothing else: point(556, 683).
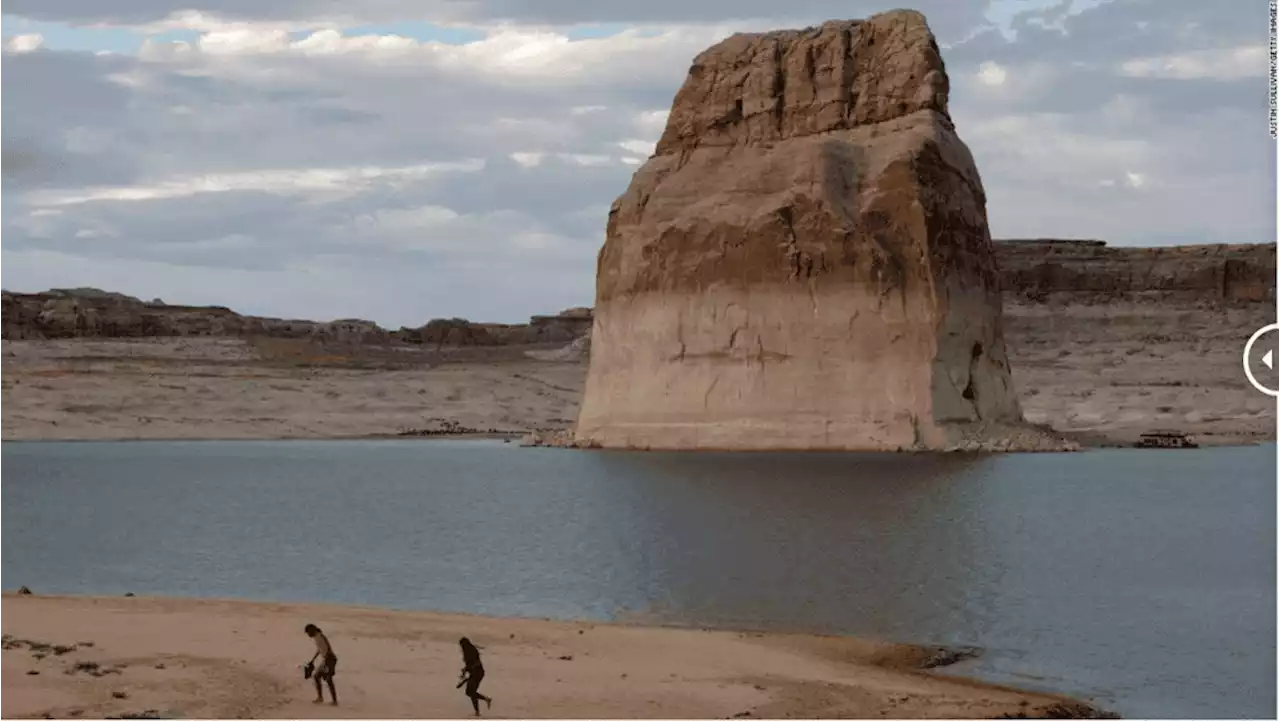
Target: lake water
point(1144, 580)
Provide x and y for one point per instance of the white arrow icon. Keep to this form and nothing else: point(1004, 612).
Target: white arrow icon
point(1268, 359)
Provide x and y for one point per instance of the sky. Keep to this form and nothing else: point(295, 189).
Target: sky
point(400, 160)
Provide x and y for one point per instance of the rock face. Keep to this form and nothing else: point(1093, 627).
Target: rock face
point(92, 313)
point(1040, 269)
point(565, 327)
point(805, 262)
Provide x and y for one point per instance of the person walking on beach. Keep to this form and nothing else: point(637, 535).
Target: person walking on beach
point(328, 663)
point(472, 674)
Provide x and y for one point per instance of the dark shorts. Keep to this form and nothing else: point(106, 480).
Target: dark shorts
point(327, 667)
point(473, 681)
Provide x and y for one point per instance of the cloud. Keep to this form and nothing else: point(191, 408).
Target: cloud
point(307, 181)
point(1249, 61)
point(333, 159)
point(947, 14)
point(990, 73)
point(23, 43)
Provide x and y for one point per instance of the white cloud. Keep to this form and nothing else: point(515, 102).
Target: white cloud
point(278, 182)
point(990, 73)
point(1045, 141)
point(527, 159)
point(247, 41)
point(639, 147)
point(508, 53)
point(651, 123)
point(24, 43)
point(205, 22)
point(1249, 61)
point(587, 158)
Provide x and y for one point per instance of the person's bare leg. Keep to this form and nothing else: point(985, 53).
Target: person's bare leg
point(319, 693)
point(475, 702)
point(333, 692)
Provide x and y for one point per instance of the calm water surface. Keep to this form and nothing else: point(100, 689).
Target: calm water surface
point(1144, 580)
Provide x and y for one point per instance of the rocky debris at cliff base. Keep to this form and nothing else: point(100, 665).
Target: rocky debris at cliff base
point(988, 439)
point(1008, 439)
point(449, 427)
point(553, 438)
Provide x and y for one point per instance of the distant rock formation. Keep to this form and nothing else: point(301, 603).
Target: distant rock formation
point(563, 328)
point(93, 313)
point(805, 262)
point(1040, 269)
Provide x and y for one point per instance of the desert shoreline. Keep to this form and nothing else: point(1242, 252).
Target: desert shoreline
point(1092, 443)
point(1099, 376)
point(97, 656)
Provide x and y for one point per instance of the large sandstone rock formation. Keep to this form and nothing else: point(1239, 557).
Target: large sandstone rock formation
point(805, 262)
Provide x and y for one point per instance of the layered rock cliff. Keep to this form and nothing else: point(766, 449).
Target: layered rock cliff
point(92, 313)
point(805, 262)
point(1076, 270)
point(566, 327)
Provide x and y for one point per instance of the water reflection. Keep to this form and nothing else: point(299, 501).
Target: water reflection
point(874, 541)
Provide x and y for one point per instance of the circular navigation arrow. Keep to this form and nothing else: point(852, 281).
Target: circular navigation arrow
point(1268, 360)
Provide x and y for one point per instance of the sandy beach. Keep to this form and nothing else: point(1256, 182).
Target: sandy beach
point(104, 657)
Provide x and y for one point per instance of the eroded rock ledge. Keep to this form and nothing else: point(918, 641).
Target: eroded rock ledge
point(93, 313)
point(1083, 270)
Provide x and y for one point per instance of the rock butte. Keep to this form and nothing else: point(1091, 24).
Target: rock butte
point(804, 263)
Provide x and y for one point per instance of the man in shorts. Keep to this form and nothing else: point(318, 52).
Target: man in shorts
point(328, 663)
